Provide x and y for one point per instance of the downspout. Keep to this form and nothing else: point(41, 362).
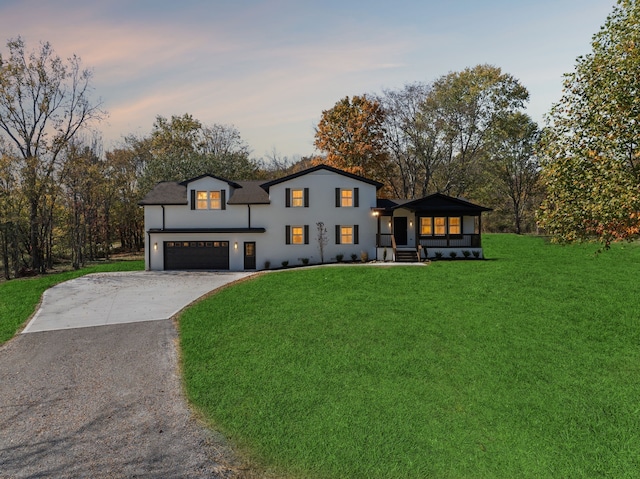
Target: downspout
point(249, 215)
point(162, 206)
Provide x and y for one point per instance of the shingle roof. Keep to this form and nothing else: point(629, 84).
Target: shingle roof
point(166, 193)
point(268, 184)
point(434, 202)
point(249, 193)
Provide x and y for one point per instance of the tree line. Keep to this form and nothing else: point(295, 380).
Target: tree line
point(466, 134)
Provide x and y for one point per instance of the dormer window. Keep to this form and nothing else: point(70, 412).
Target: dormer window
point(208, 200)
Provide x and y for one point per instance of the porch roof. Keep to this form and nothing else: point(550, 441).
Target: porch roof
point(435, 203)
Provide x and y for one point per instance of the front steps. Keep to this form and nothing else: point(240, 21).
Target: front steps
point(406, 256)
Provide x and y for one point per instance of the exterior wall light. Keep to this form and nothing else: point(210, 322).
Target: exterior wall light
point(155, 246)
point(411, 223)
point(235, 245)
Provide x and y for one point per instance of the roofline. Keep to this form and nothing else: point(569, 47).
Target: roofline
point(460, 201)
point(313, 169)
point(207, 175)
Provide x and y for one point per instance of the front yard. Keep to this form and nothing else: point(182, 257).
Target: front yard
point(524, 365)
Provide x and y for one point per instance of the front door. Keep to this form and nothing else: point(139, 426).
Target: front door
point(250, 255)
point(400, 230)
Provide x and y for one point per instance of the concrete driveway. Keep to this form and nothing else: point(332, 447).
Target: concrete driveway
point(128, 297)
point(93, 389)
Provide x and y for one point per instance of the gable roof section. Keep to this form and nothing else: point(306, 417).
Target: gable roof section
point(166, 193)
point(191, 180)
point(268, 184)
point(436, 202)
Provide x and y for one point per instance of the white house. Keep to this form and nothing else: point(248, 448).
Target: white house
point(213, 223)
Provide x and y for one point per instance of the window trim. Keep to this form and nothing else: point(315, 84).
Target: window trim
point(289, 200)
point(289, 230)
point(195, 200)
point(355, 234)
point(447, 227)
point(355, 197)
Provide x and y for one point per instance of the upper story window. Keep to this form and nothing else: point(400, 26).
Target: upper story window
point(347, 197)
point(208, 200)
point(297, 197)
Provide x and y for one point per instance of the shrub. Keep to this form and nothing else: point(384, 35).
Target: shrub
point(267, 264)
point(438, 254)
point(453, 255)
point(305, 261)
point(364, 256)
point(354, 257)
point(339, 257)
point(285, 263)
point(476, 253)
point(466, 253)
point(384, 255)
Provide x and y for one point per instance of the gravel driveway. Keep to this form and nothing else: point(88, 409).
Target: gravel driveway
point(101, 401)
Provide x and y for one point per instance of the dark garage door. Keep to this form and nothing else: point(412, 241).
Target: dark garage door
point(196, 255)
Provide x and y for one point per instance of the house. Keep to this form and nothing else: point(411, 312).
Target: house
point(212, 223)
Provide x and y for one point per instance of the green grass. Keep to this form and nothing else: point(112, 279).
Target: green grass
point(19, 297)
point(526, 365)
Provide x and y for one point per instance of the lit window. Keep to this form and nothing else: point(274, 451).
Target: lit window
point(297, 198)
point(346, 198)
point(346, 235)
point(297, 235)
point(441, 226)
point(202, 203)
point(454, 226)
point(214, 200)
point(426, 226)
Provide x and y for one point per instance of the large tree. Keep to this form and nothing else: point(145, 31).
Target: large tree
point(590, 156)
point(351, 134)
point(466, 107)
point(44, 102)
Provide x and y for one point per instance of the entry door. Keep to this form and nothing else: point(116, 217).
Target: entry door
point(400, 230)
point(250, 255)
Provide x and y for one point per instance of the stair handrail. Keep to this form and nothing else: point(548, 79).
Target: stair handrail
point(393, 246)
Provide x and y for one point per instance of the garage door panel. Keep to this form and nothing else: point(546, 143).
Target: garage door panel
point(196, 255)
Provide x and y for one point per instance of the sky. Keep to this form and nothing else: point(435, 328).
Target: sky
point(271, 67)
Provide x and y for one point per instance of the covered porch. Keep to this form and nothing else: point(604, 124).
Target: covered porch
point(436, 226)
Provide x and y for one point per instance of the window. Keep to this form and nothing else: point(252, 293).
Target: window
point(347, 198)
point(297, 198)
point(441, 226)
point(208, 200)
point(454, 226)
point(347, 234)
point(214, 200)
point(297, 234)
point(426, 226)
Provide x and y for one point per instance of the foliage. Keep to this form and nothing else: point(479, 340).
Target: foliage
point(352, 136)
point(590, 150)
point(322, 238)
point(525, 366)
point(44, 102)
point(20, 297)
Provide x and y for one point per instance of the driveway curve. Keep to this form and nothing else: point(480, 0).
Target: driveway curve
point(93, 388)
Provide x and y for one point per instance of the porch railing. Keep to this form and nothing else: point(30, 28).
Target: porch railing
point(470, 241)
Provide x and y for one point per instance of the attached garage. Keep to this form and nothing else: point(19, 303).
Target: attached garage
point(196, 255)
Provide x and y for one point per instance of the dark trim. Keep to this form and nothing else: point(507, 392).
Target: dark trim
point(163, 225)
point(338, 237)
point(229, 182)
point(306, 197)
point(356, 197)
point(306, 234)
point(223, 199)
point(287, 197)
point(338, 199)
point(193, 199)
point(356, 237)
point(207, 230)
point(271, 183)
point(287, 232)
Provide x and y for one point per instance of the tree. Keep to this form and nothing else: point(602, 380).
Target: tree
point(590, 156)
point(465, 108)
point(352, 136)
point(323, 239)
point(44, 102)
point(513, 170)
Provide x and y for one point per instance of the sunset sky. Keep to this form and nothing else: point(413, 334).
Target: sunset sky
point(270, 67)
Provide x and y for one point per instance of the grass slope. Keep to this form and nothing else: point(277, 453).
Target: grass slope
point(526, 365)
point(19, 297)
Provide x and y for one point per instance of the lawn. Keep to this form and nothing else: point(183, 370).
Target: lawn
point(524, 365)
point(19, 297)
